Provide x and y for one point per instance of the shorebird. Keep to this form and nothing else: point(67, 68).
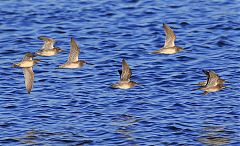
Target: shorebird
point(214, 83)
point(27, 64)
point(73, 61)
point(125, 75)
point(169, 46)
point(27, 61)
point(48, 48)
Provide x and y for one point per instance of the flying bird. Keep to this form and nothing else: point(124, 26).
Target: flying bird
point(169, 46)
point(214, 83)
point(48, 48)
point(27, 61)
point(125, 75)
point(27, 64)
point(73, 61)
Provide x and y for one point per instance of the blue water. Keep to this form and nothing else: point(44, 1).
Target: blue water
point(76, 106)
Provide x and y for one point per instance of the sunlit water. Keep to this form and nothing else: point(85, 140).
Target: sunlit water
point(77, 107)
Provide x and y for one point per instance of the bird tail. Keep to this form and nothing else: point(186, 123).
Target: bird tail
point(156, 52)
point(197, 89)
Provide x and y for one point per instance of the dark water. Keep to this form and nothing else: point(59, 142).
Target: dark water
point(77, 107)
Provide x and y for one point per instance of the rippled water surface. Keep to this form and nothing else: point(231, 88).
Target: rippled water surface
point(77, 107)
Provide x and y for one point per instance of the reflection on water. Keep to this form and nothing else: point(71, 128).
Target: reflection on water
point(124, 123)
point(29, 138)
point(214, 135)
point(42, 137)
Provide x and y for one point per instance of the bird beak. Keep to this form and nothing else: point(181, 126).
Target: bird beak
point(89, 63)
point(227, 81)
point(228, 87)
point(139, 84)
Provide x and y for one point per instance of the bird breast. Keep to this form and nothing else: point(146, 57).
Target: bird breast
point(213, 89)
point(124, 85)
point(46, 52)
point(26, 63)
point(171, 50)
point(72, 65)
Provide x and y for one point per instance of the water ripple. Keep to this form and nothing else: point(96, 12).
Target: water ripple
point(78, 107)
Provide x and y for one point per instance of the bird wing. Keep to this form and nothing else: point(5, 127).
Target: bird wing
point(120, 73)
point(212, 79)
point(48, 43)
point(203, 83)
point(74, 52)
point(126, 71)
point(29, 78)
point(170, 36)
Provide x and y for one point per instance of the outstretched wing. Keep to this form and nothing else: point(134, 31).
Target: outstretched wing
point(48, 43)
point(170, 36)
point(212, 79)
point(29, 78)
point(126, 71)
point(74, 52)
